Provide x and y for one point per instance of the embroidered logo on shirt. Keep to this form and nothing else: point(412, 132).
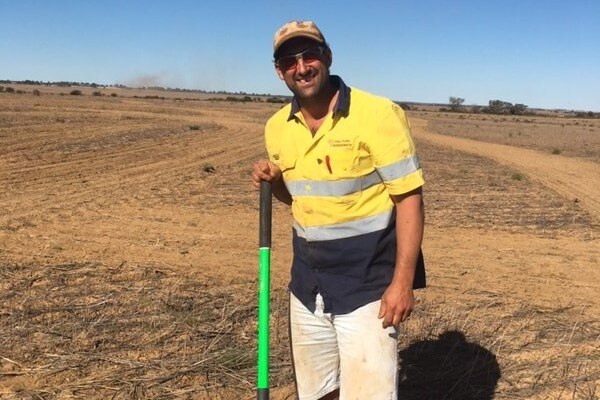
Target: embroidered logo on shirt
point(344, 144)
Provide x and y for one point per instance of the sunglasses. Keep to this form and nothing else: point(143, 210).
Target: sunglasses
point(286, 63)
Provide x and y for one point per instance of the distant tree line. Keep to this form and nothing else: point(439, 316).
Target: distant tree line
point(504, 107)
point(77, 92)
point(56, 83)
point(494, 107)
point(587, 114)
point(499, 107)
point(121, 86)
point(247, 99)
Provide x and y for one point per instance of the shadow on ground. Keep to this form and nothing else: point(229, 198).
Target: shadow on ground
point(448, 367)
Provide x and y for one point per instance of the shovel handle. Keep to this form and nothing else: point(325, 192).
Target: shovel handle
point(265, 214)
point(264, 261)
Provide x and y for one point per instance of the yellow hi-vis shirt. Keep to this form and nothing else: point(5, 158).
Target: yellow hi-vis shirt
point(340, 180)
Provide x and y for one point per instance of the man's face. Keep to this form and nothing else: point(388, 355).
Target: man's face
point(307, 77)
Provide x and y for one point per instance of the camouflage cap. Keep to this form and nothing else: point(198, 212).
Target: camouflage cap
point(296, 29)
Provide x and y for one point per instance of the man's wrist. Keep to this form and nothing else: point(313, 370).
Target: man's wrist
point(402, 283)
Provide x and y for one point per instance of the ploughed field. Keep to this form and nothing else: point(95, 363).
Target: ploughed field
point(128, 253)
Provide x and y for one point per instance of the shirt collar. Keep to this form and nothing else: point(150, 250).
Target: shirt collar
point(342, 104)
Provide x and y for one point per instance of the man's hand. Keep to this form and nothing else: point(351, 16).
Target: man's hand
point(265, 170)
point(397, 304)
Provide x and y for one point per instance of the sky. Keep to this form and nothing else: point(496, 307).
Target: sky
point(542, 53)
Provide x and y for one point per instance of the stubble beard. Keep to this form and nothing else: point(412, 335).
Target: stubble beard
point(316, 90)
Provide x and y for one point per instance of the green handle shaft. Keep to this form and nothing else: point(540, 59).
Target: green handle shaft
point(264, 267)
point(263, 318)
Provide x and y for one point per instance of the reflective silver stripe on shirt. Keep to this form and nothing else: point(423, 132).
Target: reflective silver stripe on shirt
point(340, 187)
point(345, 229)
point(399, 169)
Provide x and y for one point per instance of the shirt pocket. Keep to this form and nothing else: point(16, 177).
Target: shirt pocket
point(345, 178)
point(341, 164)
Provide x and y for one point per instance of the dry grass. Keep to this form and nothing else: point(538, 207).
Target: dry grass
point(89, 331)
point(500, 349)
point(136, 332)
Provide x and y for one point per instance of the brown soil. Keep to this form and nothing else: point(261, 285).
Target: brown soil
point(570, 177)
point(128, 236)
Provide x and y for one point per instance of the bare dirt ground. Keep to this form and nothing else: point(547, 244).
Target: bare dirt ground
point(128, 235)
point(571, 177)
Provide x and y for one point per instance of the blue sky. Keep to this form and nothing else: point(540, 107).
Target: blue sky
point(541, 53)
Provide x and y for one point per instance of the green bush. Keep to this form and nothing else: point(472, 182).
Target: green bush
point(75, 92)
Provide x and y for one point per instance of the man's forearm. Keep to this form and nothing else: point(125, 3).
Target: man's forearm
point(281, 193)
point(410, 218)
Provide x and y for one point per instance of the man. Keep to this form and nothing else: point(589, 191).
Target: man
point(344, 160)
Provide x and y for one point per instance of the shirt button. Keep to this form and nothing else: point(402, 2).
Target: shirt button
point(307, 188)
